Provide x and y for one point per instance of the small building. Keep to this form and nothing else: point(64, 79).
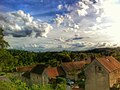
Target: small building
point(102, 74)
point(42, 74)
point(37, 75)
point(22, 73)
point(72, 69)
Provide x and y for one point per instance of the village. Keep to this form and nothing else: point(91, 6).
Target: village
point(59, 45)
point(90, 74)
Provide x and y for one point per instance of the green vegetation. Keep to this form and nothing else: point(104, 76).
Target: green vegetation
point(9, 59)
point(3, 43)
point(16, 84)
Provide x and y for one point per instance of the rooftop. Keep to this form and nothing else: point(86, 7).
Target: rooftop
point(109, 62)
point(38, 69)
point(24, 68)
point(52, 72)
point(77, 65)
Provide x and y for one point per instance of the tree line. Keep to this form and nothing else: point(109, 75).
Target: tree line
point(9, 59)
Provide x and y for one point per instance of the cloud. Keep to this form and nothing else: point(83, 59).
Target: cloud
point(81, 13)
point(78, 44)
point(20, 24)
point(81, 25)
point(60, 7)
point(59, 20)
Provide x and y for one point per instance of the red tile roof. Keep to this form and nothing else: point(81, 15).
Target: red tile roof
point(110, 63)
point(52, 72)
point(24, 68)
point(77, 65)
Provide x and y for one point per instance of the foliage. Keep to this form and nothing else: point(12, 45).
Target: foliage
point(61, 84)
point(61, 80)
point(7, 86)
point(19, 85)
point(16, 84)
point(7, 62)
point(3, 43)
point(53, 62)
point(41, 87)
point(9, 59)
point(81, 81)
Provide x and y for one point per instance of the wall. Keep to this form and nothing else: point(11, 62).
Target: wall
point(73, 75)
point(39, 79)
point(45, 78)
point(96, 79)
point(35, 78)
point(114, 76)
point(26, 80)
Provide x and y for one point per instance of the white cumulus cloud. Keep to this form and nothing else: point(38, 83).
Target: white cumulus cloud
point(83, 14)
point(20, 24)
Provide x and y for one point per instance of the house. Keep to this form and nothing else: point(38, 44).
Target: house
point(72, 69)
point(37, 75)
point(102, 74)
point(22, 73)
point(46, 74)
point(42, 74)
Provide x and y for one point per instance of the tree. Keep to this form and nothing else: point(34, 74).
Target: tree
point(54, 62)
point(7, 62)
point(3, 43)
point(61, 84)
point(64, 57)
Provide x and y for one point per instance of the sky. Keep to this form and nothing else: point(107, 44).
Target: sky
point(56, 25)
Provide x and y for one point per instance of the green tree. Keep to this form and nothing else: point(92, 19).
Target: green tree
point(41, 87)
point(65, 57)
point(54, 62)
point(7, 62)
point(3, 43)
point(4, 85)
point(61, 84)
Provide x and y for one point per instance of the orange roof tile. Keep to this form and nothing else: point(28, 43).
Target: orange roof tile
point(24, 68)
point(52, 72)
point(110, 63)
point(69, 66)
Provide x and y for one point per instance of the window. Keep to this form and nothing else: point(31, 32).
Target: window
point(98, 68)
